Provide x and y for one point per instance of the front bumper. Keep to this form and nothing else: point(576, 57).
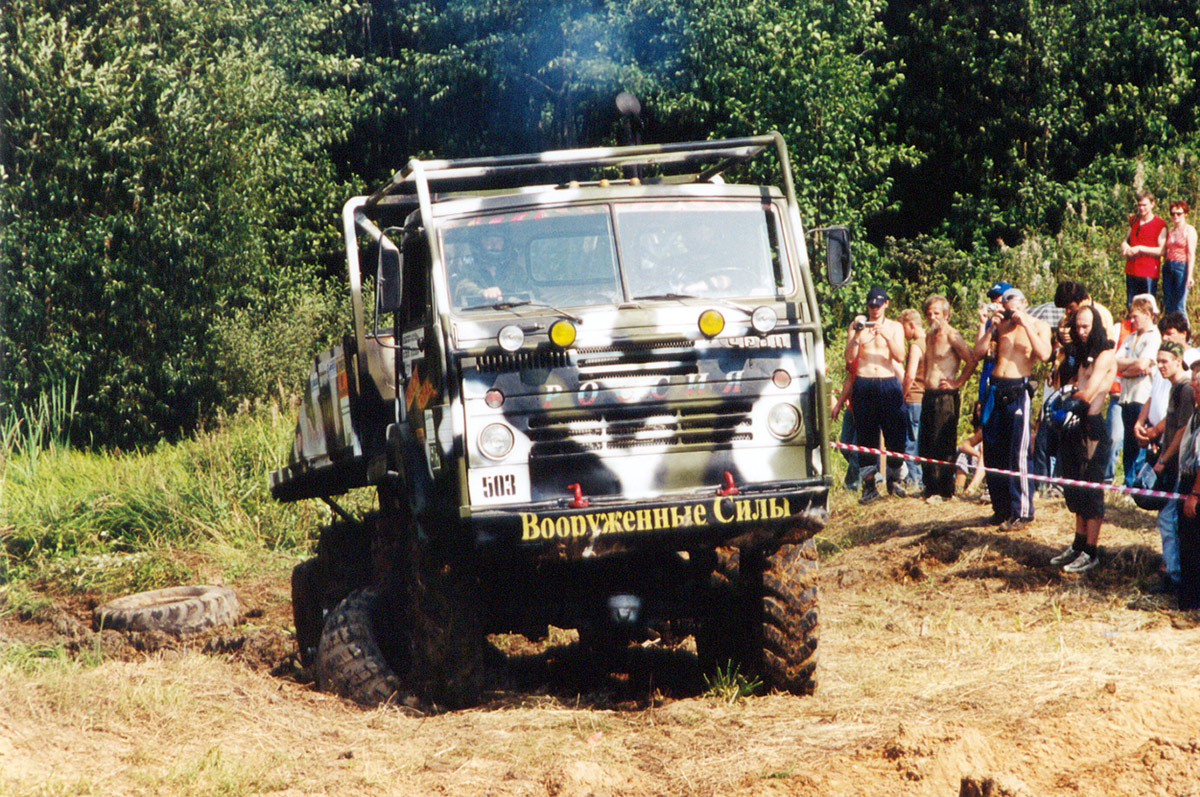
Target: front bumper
point(761, 515)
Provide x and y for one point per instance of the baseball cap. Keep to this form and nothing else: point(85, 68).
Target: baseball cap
point(876, 296)
point(1174, 348)
point(1149, 299)
point(998, 290)
point(1012, 293)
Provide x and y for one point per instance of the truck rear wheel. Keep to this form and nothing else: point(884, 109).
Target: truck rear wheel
point(350, 662)
point(763, 616)
point(307, 614)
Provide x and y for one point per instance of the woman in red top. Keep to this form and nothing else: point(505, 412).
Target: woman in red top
point(1143, 249)
point(1179, 259)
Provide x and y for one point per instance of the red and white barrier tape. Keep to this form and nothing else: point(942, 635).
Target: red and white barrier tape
point(1035, 477)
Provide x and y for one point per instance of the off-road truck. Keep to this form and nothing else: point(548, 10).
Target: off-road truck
point(589, 389)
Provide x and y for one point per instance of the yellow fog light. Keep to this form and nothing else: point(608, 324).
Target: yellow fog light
point(562, 333)
point(711, 323)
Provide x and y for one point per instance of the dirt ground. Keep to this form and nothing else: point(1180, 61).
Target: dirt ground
point(953, 660)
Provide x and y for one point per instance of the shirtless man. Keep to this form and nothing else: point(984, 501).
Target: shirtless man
point(1083, 437)
point(875, 350)
point(1021, 340)
point(949, 361)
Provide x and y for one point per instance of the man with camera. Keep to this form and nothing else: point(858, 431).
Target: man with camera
point(1018, 341)
point(875, 354)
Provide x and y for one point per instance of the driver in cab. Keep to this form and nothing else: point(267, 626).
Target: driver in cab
point(491, 274)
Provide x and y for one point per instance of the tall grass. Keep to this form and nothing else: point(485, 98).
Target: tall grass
point(112, 520)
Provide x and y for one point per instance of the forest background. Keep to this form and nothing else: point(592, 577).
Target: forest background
point(171, 173)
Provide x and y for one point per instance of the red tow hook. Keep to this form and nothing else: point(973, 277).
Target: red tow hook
point(730, 488)
point(580, 502)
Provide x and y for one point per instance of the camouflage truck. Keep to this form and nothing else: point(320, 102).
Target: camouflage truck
point(590, 393)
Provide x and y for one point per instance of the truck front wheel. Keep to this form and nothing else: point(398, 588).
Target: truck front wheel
point(763, 616)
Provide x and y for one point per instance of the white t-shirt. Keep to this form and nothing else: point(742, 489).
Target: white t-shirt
point(1138, 345)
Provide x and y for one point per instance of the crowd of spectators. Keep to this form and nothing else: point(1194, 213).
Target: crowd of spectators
point(1122, 391)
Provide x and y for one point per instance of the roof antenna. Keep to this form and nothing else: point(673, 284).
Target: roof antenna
point(631, 125)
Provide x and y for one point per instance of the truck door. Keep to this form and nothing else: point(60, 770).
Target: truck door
point(419, 364)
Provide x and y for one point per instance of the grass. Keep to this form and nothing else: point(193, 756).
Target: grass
point(729, 684)
point(115, 521)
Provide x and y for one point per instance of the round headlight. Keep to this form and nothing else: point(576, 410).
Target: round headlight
point(783, 421)
point(763, 319)
point(711, 323)
point(496, 441)
point(510, 338)
point(562, 333)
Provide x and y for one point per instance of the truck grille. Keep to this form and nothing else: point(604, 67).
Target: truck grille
point(522, 361)
point(706, 426)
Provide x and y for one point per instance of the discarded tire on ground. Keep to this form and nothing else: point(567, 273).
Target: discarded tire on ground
point(175, 610)
point(350, 662)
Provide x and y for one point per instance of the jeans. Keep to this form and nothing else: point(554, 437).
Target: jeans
point(1168, 530)
point(847, 436)
point(912, 419)
point(1116, 437)
point(1174, 281)
point(1136, 285)
point(1133, 456)
point(1045, 463)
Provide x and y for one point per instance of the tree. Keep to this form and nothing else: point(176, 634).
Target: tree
point(164, 165)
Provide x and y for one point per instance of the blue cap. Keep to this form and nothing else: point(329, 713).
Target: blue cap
point(998, 290)
point(876, 296)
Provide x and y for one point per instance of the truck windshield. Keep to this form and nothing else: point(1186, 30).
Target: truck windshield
point(567, 257)
point(704, 249)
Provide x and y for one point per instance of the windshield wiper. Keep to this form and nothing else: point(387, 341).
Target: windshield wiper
point(524, 303)
point(714, 299)
point(657, 296)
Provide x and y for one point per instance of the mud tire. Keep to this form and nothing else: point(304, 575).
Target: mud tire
point(790, 627)
point(307, 613)
point(175, 610)
point(349, 660)
point(762, 616)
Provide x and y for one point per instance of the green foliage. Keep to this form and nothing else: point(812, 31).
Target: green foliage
point(115, 521)
point(171, 173)
point(729, 684)
point(165, 164)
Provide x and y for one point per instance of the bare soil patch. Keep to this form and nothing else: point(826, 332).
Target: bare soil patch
point(953, 660)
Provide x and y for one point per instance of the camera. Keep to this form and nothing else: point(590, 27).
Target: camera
point(859, 326)
point(1007, 314)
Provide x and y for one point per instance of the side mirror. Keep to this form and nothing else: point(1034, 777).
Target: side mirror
point(838, 260)
point(387, 277)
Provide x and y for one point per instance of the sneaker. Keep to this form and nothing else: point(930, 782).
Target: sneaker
point(995, 520)
point(1067, 555)
point(1015, 523)
point(898, 490)
point(1082, 563)
point(934, 499)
